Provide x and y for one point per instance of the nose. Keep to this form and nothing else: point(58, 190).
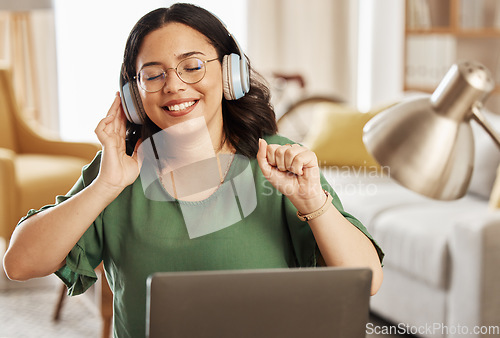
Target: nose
point(172, 82)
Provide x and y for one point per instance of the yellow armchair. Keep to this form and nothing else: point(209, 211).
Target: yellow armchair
point(34, 168)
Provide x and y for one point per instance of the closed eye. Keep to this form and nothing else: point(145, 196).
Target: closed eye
point(155, 77)
point(193, 69)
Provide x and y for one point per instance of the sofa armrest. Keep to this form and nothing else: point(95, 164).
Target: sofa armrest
point(30, 140)
point(474, 289)
point(8, 192)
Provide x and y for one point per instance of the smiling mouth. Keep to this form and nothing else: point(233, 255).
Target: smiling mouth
point(179, 107)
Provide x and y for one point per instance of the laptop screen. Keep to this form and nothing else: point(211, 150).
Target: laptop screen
point(302, 302)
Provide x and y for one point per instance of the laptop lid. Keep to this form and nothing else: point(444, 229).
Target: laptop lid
point(306, 302)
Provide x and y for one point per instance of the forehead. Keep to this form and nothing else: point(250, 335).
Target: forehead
point(170, 42)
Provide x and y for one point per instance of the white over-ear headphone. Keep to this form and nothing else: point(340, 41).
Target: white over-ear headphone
point(235, 82)
point(131, 101)
point(235, 75)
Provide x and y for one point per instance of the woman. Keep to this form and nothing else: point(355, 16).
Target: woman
point(109, 215)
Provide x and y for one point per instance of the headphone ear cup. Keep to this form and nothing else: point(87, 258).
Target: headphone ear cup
point(132, 103)
point(245, 75)
point(226, 80)
point(232, 77)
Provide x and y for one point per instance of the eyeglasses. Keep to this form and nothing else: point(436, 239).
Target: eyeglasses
point(190, 70)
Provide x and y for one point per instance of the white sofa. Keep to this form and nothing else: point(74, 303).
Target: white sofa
point(442, 263)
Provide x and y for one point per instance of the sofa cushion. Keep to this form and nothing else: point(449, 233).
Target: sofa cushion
point(486, 157)
point(366, 193)
point(403, 299)
point(413, 230)
point(415, 237)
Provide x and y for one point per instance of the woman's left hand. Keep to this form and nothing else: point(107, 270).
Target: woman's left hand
point(293, 170)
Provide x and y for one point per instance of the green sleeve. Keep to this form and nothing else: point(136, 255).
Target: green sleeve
point(78, 272)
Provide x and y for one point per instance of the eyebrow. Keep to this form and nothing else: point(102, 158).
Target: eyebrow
point(188, 54)
point(179, 57)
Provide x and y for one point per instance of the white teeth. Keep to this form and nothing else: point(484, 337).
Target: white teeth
point(181, 106)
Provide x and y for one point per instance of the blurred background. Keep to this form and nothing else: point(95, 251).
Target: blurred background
point(331, 65)
point(70, 51)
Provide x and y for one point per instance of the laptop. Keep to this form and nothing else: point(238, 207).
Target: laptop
point(296, 302)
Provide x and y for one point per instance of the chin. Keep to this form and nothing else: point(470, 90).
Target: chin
point(186, 126)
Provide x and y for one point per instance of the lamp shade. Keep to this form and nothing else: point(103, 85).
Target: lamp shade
point(427, 142)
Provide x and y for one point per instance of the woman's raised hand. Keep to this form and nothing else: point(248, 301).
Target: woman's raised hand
point(294, 171)
point(118, 169)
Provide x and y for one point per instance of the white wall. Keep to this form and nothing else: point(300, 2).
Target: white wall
point(90, 37)
point(380, 52)
point(349, 49)
point(313, 38)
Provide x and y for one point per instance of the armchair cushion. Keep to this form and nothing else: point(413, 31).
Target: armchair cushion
point(42, 177)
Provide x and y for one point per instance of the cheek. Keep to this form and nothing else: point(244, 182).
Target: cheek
point(150, 104)
point(214, 98)
point(212, 89)
point(147, 100)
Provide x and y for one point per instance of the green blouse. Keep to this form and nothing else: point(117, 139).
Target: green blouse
point(137, 235)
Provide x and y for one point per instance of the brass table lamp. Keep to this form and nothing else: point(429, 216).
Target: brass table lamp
point(427, 142)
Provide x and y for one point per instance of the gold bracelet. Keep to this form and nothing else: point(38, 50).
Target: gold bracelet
point(319, 212)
